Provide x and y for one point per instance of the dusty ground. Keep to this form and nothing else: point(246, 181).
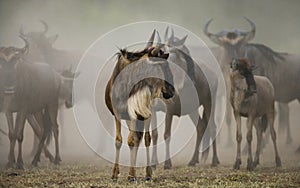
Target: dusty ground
point(82, 168)
point(88, 175)
point(84, 173)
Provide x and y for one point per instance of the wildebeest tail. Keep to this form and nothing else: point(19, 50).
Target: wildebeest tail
point(264, 123)
point(47, 126)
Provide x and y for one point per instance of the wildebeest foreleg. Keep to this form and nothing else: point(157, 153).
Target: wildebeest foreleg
point(118, 144)
point(12, 140)
point(147, 144)
point(167, 137)
point(154, 160)
point(134, 139)
point(238, 160)
point(36, 122)
point(284, 121)
point(19, 131)
point(201, 127)
point(249, 141)
point(273, 136)
point(258, 144)
point(53, 119)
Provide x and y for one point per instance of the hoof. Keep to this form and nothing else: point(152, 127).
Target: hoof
point(237, 164)
point(147, 178)
point(131, 179)
point(250, 166)
point(56, 162)
point(215, 162)
point(168, 164)
point(20, 166)
point(255, 163)
point(192, 163)
point(114, 179)
point(278, 162)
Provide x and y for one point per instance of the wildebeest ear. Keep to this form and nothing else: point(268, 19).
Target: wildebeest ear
point(52, 39)
point(181, 41)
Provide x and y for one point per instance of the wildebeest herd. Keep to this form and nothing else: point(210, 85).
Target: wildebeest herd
point(37, 80)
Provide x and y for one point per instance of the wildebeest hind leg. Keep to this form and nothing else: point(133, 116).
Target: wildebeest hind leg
point(154, 160)
point(12, 140)
point(20, 122)
point(52, 111)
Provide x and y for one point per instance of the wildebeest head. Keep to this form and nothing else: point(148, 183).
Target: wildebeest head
point(38, 40)
point(147, 74)
point(241, 65)
point(153, 53)
point(66, 92)
point(234, 38)
point(9, 59)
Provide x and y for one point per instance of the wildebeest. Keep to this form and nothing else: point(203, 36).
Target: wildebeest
point(30, 89)
point(180, 56)
point(282, 69)
point(137, 79)
point(42, 50)
point(259, 104)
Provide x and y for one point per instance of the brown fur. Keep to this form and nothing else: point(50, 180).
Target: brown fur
point(258, 105)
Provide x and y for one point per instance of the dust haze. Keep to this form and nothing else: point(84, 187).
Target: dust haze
point(79, 23)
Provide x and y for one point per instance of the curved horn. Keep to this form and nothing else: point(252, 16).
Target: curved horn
point(166, 34)
point(150, 42)
point(250, 35)
point(211, 36)
point(172, 35)
point(45, 26)
point(26, 47)
point(21, 31)
point(159, 45)
point(206, 28)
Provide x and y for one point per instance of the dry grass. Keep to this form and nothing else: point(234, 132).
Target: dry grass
point(90, 175)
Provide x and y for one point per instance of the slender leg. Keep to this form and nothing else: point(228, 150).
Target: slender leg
point(249, 141)
point(238, 160)
point(154, 160)
point(273, 136)
point(46, 133)
point(284, 121)
point(228, 124)
point(200, 132)
point(53, 119)
point(19, 130)
point(36, 122)
point(213, 133)
point(118, 144)
point(12, 140)
point(134, 139)
point(258, 146)
point(147, 144)
point(167, 137)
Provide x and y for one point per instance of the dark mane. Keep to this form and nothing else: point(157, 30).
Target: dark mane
point(131, 56)
point(266, 51)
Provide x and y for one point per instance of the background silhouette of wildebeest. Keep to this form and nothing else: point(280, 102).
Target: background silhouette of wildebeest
point(282, 69)
point(30, 88)
point(180, 56)
point(258, 104)
point(138, 78)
